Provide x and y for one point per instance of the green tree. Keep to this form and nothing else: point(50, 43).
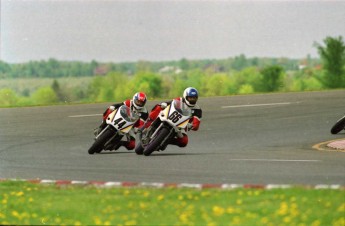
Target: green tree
point(271, 78)
point(44, 95)
point(333, 59)
point(217, 85)
point(184, 64)
point(239, 62)
point(147, 82)
point(56, 87)
point(4, 69)
point(8, 97)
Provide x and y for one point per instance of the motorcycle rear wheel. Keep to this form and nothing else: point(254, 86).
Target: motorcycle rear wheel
point(98, 145)
point(156, 142)
point(338, 126)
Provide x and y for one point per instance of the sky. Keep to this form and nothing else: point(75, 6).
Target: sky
point(162, 30)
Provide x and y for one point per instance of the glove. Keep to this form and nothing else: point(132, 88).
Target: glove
point(164, 105)
point(189, 126)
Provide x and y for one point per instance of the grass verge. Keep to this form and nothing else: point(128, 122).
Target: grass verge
point(24, 203)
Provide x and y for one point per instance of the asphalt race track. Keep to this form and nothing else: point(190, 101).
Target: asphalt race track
point(257, 139)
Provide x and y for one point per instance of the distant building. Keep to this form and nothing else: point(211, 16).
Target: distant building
point(169, 70)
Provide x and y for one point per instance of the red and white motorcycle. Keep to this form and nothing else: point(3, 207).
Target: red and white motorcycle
point(171, 123)
point(338, 126)
point(119, 124)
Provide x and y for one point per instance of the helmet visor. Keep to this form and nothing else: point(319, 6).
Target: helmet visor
point(139, 103)
point(192, 100)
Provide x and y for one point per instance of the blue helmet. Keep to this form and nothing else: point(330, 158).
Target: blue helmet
point(190, 96)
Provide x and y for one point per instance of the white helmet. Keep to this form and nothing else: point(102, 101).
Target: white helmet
point(190, 96)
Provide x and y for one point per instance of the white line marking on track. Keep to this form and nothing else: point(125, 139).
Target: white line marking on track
point(277, 160)
point(257, 105)
point(80, 116)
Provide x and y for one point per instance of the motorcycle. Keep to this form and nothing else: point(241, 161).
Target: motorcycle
point(119, 124)
point(171, 123)
point(338, 126)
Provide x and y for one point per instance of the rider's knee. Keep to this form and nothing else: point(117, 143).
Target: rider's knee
point(183, 141)
point(130, 145)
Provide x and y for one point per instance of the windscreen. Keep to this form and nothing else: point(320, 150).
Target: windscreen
point(181, 108)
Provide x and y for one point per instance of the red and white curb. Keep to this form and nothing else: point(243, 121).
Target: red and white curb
point(111, 184)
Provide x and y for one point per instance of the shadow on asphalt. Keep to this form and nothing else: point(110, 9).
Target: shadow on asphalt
point(152, 155)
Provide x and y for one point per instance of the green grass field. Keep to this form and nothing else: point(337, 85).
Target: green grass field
point(24, 203)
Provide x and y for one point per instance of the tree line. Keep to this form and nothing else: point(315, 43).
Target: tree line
point(53, 68)
point(239, 75)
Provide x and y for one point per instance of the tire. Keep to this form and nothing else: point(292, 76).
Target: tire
point(139, 149)
point(98, 145)
point(156, 142)
point(338, 126)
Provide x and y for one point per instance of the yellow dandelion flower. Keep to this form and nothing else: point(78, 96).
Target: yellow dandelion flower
point(184, 217)
point(264, 220)
point(205, 194)
point(180, 197)
point(287, 219)
point(230, 210)
point(19, 193)
point(238, 201)
point(77, 223)
point(15, 214)
point(316, 223)
point(97, 221)
point(4, 201)
point(218, 211)
point(341, 208)
point(282, 209)
point(131, 222)
point(160, 197)
point(107, 223)
point(339, 222)
point(146, 194)
point(236, 221)
point(142, 205)
point(2, 215)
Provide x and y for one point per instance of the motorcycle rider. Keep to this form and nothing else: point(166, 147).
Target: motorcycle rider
point(189, 98)
point(137, 106)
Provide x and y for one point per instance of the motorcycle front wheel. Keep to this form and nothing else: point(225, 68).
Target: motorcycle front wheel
point(139, 149)
point(338, 126)
point(98, 145)
point(156, 142)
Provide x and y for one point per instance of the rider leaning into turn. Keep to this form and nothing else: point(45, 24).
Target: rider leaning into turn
point(189, 98)
point(137, 106)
